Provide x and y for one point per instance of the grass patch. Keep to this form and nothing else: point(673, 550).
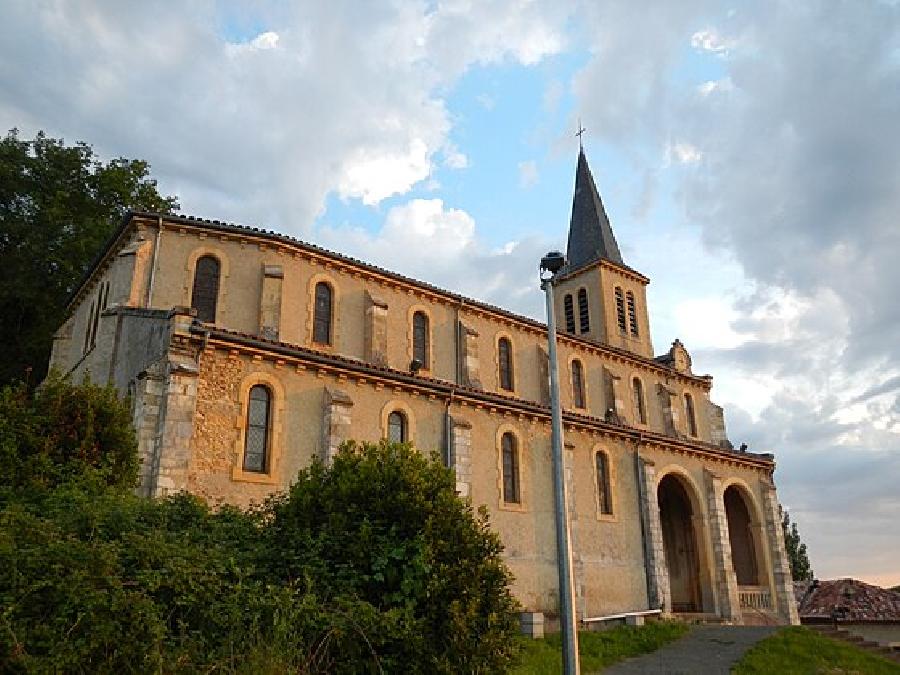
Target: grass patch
point(597, 649)
point(797, 650)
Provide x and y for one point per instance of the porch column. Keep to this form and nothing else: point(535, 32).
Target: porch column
point(726, 580)
point(784, 601)
point(658, 590)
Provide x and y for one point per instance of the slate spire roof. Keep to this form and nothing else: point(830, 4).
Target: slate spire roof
point(590, 234)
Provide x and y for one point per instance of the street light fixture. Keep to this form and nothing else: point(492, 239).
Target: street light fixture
point(551, 264)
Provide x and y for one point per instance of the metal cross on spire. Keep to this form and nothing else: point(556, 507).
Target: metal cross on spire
point(580, 133)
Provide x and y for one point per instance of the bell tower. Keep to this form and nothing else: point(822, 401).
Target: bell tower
point(597, 296)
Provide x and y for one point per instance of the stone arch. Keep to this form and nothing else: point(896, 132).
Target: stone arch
point(523, 467)
point(276, 389)
point(191, 270)
point(396, 405)
point(744, 530)
point(682, 525)
point(314, 281)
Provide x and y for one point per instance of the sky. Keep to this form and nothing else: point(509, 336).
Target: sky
point(747, 153)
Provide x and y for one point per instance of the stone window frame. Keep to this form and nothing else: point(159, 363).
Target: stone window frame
point(427, 368)
point(584, 311)
point(584, 384)
point(621, 312)
point(270, 477)
point(505, 335)
point(314, 281)
point(634, 408)
point(569, 314)
point(631, 312)
point(690, 415)
point(524, 473)
point(396, 405)
point(613, 516)
point(190, 269)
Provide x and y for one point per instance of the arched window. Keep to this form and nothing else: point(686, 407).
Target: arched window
point(604, 491)
point(89, 330)
point(569, 308)
point(504, 355)
point(256, 443)
point(397, 427)
point(620, 310)
point(584, 317)
point(205, 294)
point(577, 384)
point(420, 338)
point(689, 413)
point(322, 314)
point(511, 491)
point(632, 314)
point(640, 411)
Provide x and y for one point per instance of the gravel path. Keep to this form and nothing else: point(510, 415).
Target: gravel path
point(705, 650)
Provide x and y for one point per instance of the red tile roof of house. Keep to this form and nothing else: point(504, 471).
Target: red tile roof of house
point(852, 600)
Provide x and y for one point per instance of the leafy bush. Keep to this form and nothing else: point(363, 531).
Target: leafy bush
point(383, 524)
point(370, 565)
point(64, 432)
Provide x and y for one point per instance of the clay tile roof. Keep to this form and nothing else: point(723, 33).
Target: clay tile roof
point(854, 601)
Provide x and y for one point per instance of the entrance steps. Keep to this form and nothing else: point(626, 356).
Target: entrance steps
point(891, 653)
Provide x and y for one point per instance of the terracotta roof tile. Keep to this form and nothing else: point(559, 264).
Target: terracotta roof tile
point(852, 600)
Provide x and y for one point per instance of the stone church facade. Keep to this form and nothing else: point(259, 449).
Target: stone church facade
point(247, 353)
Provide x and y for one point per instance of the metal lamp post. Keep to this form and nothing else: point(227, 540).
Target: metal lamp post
point(552, 263)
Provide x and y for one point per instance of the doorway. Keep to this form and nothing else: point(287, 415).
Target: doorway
point(679, 544)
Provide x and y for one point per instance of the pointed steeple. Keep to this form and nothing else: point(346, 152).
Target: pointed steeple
point(590, 234)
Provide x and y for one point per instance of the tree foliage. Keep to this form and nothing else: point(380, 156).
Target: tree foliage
point(796, 550)
point(383, 524)
point(58, 205)
point(370, 565)
point(63, 432)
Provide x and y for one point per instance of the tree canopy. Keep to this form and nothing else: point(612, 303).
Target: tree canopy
point(796, 550)
point(58, 205)
point(369, 565)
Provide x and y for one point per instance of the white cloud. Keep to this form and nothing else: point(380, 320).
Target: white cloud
point(709, 40)
point(714, 86)
point(453, 158)
point(528, 173)
point(682, 153)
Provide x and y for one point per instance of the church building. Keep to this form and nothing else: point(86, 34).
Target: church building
point(247, 353)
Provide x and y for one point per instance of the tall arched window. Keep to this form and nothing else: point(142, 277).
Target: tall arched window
point(89, 330)
point(577, 384)
point(620, 310)
point(322, 314)
point(584, 317)
point(689, 413)
point(504, 355)
point(397, 432)
point(205, 294)
point(510, 450)
point(632, 314)
point(569, 310)
point(421, 338)
point(604, 490)
point(640, 411)
point(256, 443)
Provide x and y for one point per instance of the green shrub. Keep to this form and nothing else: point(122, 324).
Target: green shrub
point(383, 524)
point(63, 432)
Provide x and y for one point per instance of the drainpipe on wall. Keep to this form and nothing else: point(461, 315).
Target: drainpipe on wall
point(153, 261)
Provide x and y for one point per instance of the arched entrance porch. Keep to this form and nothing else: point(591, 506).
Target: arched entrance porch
point(744, 536)
point(680, 544)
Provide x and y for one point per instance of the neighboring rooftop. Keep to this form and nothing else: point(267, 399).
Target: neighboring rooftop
point(590, 234)
point(850, 600)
